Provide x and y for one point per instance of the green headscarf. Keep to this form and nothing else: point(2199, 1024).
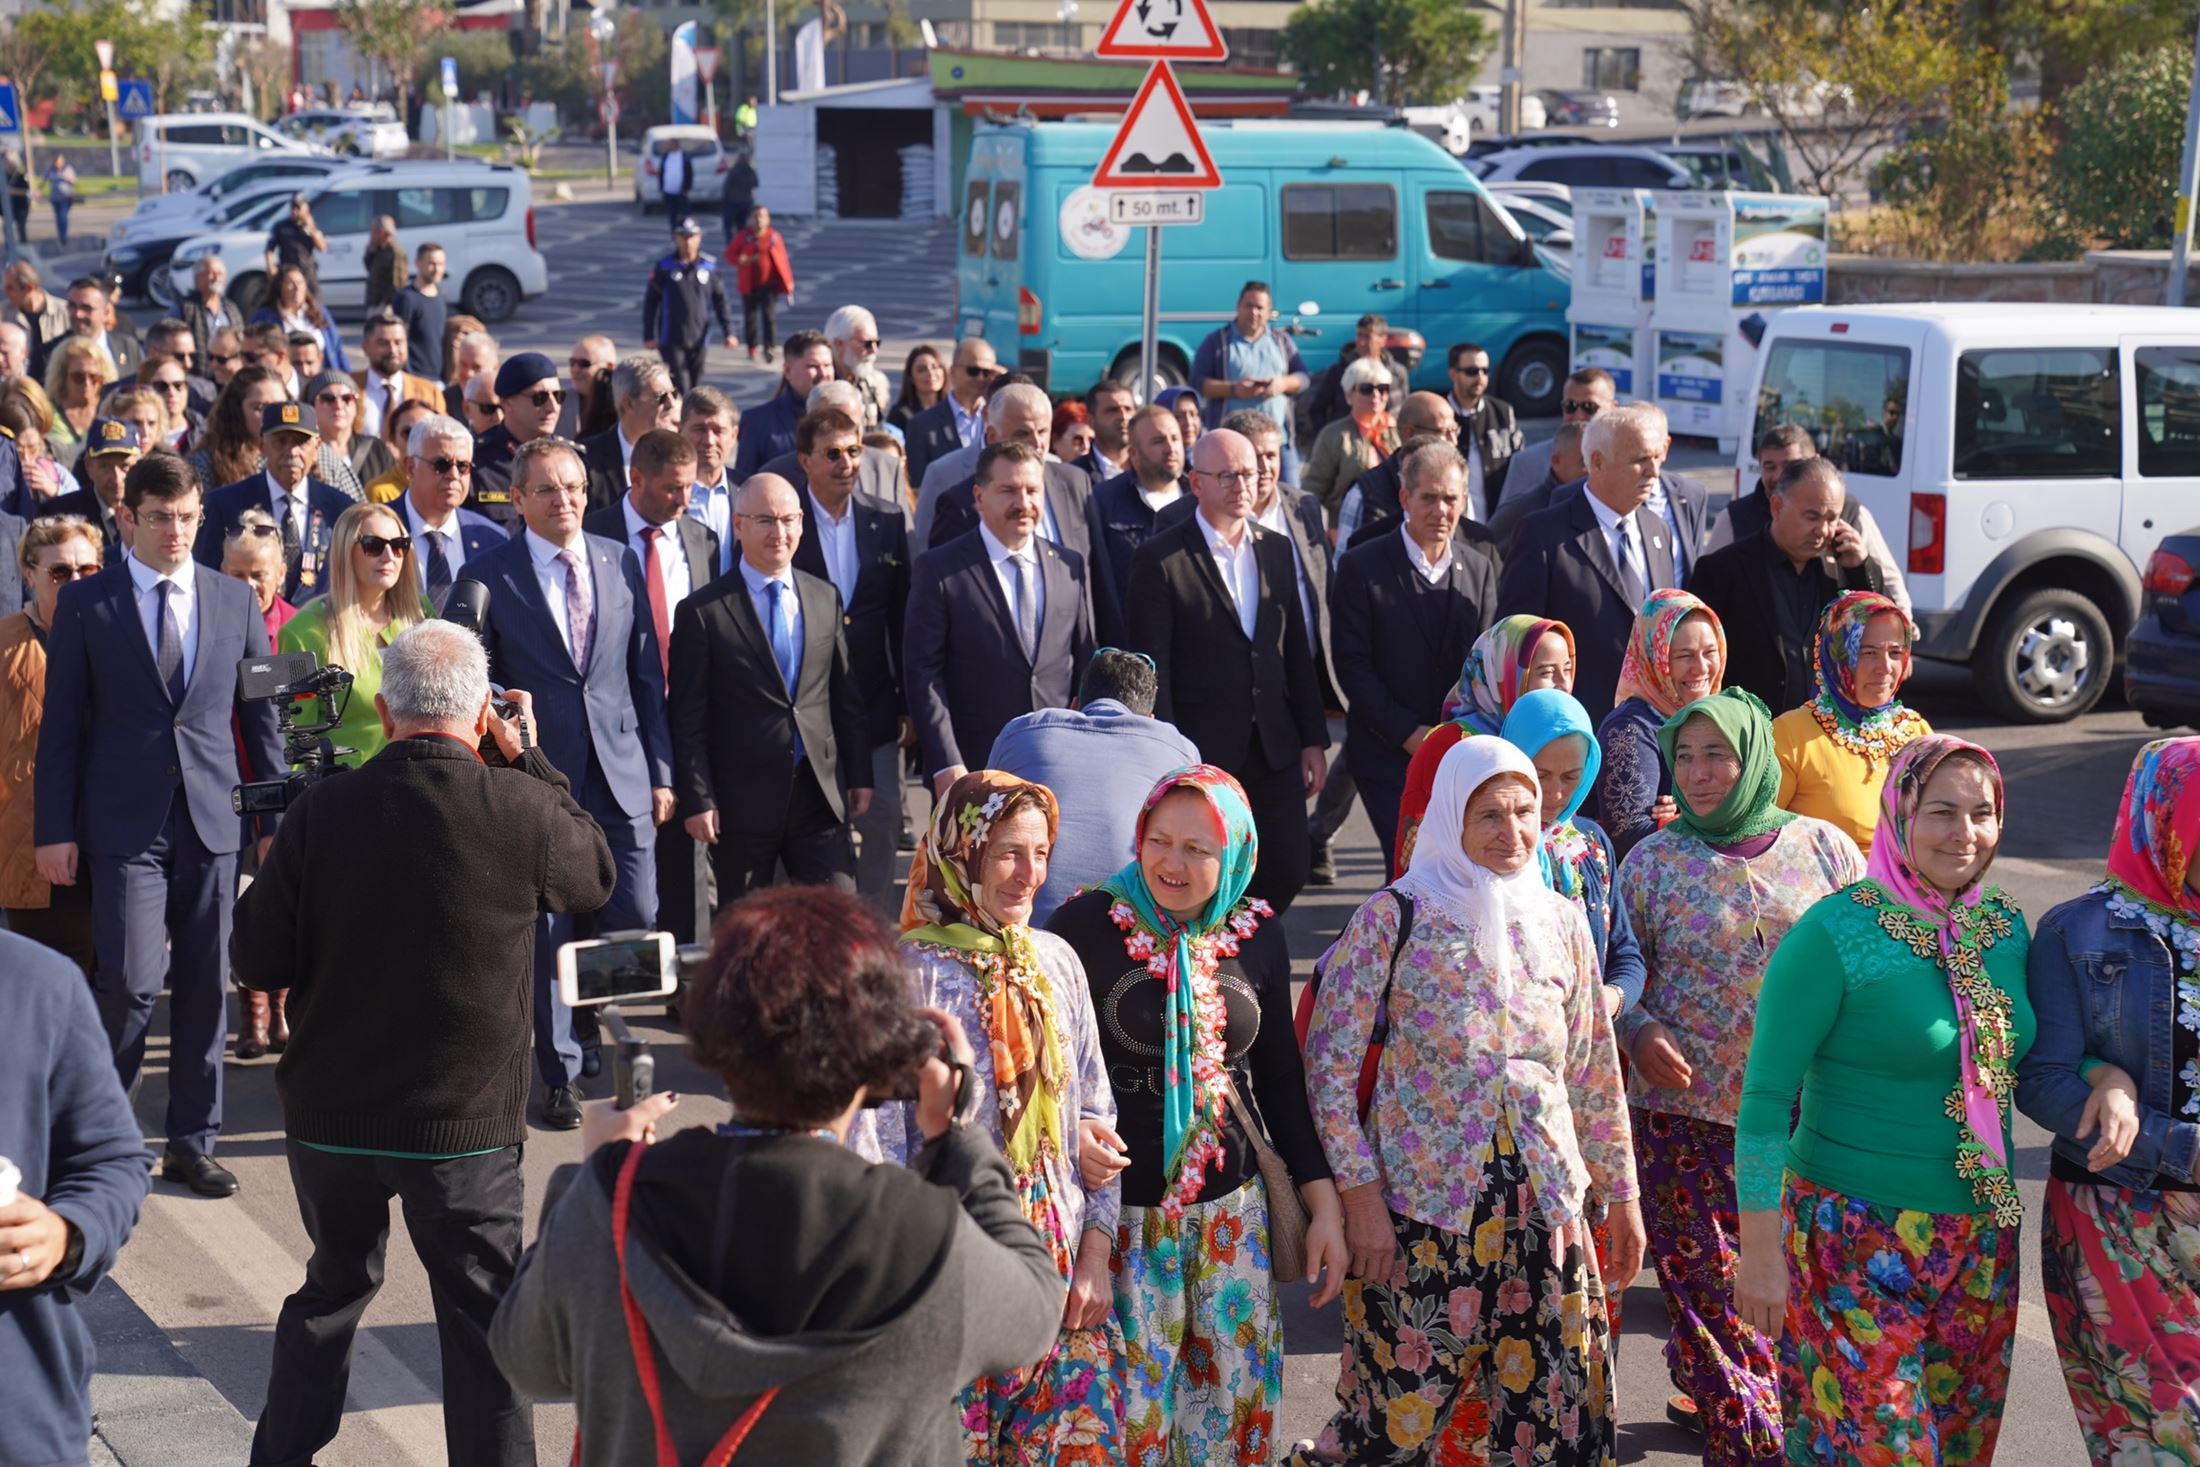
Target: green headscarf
point(1750, 808)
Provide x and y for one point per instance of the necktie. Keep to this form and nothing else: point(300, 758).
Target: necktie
point(291, 541)
point(439, 564)
point(168, 658)
point(782, 630)
point(660, 611)
point(1027, 611)
point(1630, 565)
point(579, 607)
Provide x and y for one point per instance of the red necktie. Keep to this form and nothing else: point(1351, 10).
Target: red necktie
point(653, 571)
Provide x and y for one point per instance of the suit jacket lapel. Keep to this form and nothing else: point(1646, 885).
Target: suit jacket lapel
point(696, 546)
point(980, 569)
point(1657, 548)
point(521, 584)
point(741, 607)
point(819, 626)
point(1203, 566)
point(1589, 534)
point(124, 596)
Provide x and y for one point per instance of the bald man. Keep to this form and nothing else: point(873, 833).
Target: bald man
point(761, 691)
point(1214, 601)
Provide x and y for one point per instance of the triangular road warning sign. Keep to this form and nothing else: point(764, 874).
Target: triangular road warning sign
point(1162, 30)
point(1158, 143)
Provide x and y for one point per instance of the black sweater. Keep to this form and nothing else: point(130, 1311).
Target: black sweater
point(398, 905)
point(1257, 1036)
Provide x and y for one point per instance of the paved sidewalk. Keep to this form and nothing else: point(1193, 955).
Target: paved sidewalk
point(150, 1408)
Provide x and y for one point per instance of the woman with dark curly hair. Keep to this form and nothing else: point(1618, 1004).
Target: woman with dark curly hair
point(791, 1297)
point(229, 449)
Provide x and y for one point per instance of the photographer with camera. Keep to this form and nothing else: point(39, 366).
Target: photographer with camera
point(828, 1307)
point(399, 904)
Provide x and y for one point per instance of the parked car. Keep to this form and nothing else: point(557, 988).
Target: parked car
point(708, 164)
point(140, 261)
point(1485, 110)
point(1549, 227)
point(1579, 109)
point(2027, 463)
point(1350, 217)
point(1553, 196)
point(2162, 657)
point(163, 211)
point(1584, 165)
point(481, 213)
point(180, 150)
point(1719, 165)
point(365, 132)
point(1708, 98)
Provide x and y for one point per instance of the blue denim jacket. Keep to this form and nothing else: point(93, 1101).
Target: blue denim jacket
point(2104, 989)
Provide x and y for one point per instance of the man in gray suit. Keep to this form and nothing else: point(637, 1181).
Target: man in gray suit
point(880, 473)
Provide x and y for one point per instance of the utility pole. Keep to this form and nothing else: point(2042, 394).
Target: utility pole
point(1512, 74)
point(771, 54)
point(2188, 191)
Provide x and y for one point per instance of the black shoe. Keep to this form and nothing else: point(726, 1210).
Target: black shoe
point(561, 1110)
point(202, 1174)
point(1680, 1409)
point(1322, 870)
point(591, 1062)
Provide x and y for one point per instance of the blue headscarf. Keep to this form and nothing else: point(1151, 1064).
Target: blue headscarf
point(1536, 719)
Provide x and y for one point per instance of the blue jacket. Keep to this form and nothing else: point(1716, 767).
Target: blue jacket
point(680, 302)
point(766, 433)
point(66, 1123)
point(2103, 989)
point(1610, 928)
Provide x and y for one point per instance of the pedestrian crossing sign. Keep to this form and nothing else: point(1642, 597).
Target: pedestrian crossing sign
point(11, 115)
point(133, 100)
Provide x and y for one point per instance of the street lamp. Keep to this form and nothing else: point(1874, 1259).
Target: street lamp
point(605, 32)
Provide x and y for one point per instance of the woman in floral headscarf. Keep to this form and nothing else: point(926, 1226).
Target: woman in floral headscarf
point(1517, 655)
point(1193, 986)
point(2115, 978)
point(1675, 655)
point(1835, 749)
point(1881, 1238)
point(971, 954)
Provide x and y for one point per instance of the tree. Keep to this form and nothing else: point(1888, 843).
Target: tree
point(398, 35)
point(2112, 177)
point(1398, 51)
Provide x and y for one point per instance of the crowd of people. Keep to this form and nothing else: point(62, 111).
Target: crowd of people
point(1686, 951)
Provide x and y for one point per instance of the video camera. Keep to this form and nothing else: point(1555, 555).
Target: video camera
point(293, 678)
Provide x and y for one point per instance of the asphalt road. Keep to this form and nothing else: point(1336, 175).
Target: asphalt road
point(211, 1276)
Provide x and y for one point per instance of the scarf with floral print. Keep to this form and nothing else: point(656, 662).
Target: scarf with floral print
point(1876, 733)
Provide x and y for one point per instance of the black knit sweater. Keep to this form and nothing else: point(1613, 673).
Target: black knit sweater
point(398, 906)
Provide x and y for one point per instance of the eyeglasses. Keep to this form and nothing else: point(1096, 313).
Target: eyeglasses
point(381, 545)
point(257, 530)
point(1373, 388)
point(1234, 478)
point(583, 364)
point(843, 455)
point(543, 397)
point(337, 399)
point(664, 400)
point(1586, 409)
point(65, 572)
point(168, 385)
point(1470, 371)
point(1126, 652)
point(161, 519)
point(92, 377)
point(449, 465)
point(486, 409)
point(785, 524)
point(185, 357)
point(866, 345)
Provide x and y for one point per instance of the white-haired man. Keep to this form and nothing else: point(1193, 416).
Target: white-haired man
point(852, 332)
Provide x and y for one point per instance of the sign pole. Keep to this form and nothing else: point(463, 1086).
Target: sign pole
point(1150, 325)
point(14, 138)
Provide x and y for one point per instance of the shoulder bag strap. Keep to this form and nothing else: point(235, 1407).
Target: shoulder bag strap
point(1381, 1033)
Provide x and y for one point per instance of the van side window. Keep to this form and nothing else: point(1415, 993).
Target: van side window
point(345, 213)
point(485, 204)
point(2169, 411)
point(194, 135)
point(977, 220)
point(2038, 414)
point(1340, 221)
point(1851, 397)
point(1008, 219)
point(413, 207)
point(1462, 226)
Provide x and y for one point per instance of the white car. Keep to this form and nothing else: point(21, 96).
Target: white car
point(141, 262)
point(1585, 165)
point(481, 213)
point(164, 212)
point(180, 150)
point(708, 164)
point(1485, 110)
point(366, 132)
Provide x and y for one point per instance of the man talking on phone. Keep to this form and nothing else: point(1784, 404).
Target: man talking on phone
point(398, 905)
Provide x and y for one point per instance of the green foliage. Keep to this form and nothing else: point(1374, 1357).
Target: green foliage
point(564, 73)
point(398, 34)
point(1399, 51)
point(483, 57)
point(49, 49)
point(1964, 185)
point(2113, 180)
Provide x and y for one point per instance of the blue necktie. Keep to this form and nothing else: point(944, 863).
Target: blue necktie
point(782, 636)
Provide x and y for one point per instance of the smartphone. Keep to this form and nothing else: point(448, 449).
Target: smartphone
point(604, 970)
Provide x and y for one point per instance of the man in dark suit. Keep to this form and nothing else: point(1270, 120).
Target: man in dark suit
point(768, 431)
point(998, 622)
point(1373, 508)
point(136, 761)
point(1128, 504)
point(878, 475)
point(957, 420)
point(773, 761)
point(679, 557)
point(1591, 561)
point(1770, 586)
point(1407, 609)
point(569, 620)
point(439, 461)
point(1489, 434)
point(305, 509)
point(529, 394)
point(110, 448)
point(643, 396)
point(1214, 602)
point(1563, 455)
point(858, 544)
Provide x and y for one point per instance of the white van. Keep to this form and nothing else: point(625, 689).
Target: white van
point(181, 150)
point(481, 213)
point(2018, 455)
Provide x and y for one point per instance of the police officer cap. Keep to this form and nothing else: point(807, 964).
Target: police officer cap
point(287, 417)
point(687, 226)
point(112, 435)
point(524, 371)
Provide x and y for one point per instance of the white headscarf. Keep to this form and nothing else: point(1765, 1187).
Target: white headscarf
point(1477, 898)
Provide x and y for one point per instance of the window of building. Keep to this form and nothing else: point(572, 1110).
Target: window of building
point(1342, 221)
point(1253, 47)
point(2038, 413)
point(1612, 68)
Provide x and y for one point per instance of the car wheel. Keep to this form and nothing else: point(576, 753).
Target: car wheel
point(1533, 377)
point(180, 181)
point(160, 288)
point(1168, 372)
point(491, 294)
point(2045, 657)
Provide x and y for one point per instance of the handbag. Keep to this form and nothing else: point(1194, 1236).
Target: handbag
point(1286, 1211)
point(1371, 1062)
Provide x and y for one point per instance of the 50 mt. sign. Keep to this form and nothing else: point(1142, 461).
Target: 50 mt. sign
point(1157, 207)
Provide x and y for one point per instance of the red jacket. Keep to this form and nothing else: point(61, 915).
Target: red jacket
point(760, 264)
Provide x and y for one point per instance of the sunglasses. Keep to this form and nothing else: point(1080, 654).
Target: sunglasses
point(450, 465)
point(1373, 387)
point(863, 344)
point(333, 399)
point(583, 364)
point(486, 409)
point(1470, 371)
point(64, 573)
point(981, 374)
point(543, 397)
point(843, 455)
point(664, 399)
point(257, 530)
point(223, 358)
point(167, 386)
point(1586, 409)
point(381, 545)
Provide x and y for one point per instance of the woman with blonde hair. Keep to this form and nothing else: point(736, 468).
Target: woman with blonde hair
point(373, 595)
point(77, 374)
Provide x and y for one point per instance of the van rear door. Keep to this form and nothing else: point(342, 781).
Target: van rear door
point(989, 256)
point(2162, 441)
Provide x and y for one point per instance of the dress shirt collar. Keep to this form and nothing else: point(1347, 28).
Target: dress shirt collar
point(756, 580)
point(826, 516)
point(1217, 544)
point(448, 524)
point(1272, 518)
point(999, 553)
point(1608, 518)
point(280, 498)
point(144, 577)
point(635, 524)
point(626, 449)
point(542, 551)
point(1432, 572)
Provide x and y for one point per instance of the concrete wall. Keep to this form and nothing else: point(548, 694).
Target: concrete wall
point(2115, 277)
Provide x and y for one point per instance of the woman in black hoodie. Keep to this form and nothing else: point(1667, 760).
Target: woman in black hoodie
point(777, 1282)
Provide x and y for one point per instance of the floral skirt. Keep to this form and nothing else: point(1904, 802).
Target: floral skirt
point(1202, 1333)
point(1066, 1409)
point(1900, 1329)
point(2122, 1275)
point(1685, 1168)
point(1487, 1346)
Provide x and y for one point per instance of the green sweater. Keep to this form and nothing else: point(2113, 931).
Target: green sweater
point(1866, 1029)
point(361, 729)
